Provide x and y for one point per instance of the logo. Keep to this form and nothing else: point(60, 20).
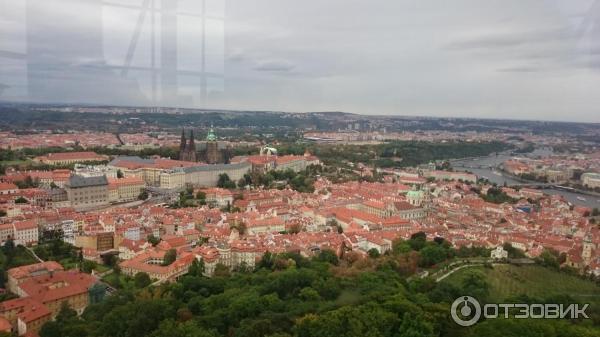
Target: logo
point(465, 311)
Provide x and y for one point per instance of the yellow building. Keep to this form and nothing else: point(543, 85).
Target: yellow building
point(125, 189)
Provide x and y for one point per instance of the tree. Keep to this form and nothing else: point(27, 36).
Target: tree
point(475, 284)
point(66, 313)
point(9, 247)
point(242, 183)
point(225, 182)
point(400, 246)
point(201, 195)
point(2, 213)
point(373, 253)
point(143, 195)
point(170, 328)
point(170, 257)
point(21, 200)
point(266, 261)
point(197, 268)
point(595, 211)
point(414, 326)
point(329, 256)
point(432, 254)
point(87, 266)
point(549, 258)
point(153, 240)
point(109, 259)
point(352, 321)
point(513, 253)
point(221, 270)
point(66, 323)
point(141, 280)
point(119, 174)
point(417, 240)
point(309, 294)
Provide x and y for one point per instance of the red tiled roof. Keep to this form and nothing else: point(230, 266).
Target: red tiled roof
point(88, 155)
point(7, 186)
point(58, 285)
point(29, 270)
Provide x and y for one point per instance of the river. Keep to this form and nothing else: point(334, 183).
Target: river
point(484, 167)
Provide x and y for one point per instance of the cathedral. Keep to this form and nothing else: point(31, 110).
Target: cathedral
point(208, 152)
point(187, 151)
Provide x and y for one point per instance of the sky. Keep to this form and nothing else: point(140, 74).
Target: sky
point(536, 60)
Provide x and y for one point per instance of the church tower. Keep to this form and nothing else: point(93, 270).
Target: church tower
point(213, 156)
point(187, 151)
point(182, 145)
point(192, 148)
point(182, 142)
point(588, 248)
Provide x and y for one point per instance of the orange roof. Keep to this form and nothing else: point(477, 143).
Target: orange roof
point(208, 254)
point(30, 270)
point(23, 225)
point(7, 186)
point(28, 308)
point(374, 204)
point(58, 285)
point(170, 241)
point(273, 221)
point(5, 325)
point(131, 180)
point(72, 156)
point(138, 263)
point(217, 192)
point(288, 159)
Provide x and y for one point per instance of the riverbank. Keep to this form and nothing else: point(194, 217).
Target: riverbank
point(489, 168)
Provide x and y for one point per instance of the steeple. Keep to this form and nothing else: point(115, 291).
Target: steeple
point(183, 141)
point(211, 136)
point(192, 144)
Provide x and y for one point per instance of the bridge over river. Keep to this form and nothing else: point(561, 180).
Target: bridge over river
point(489, 168)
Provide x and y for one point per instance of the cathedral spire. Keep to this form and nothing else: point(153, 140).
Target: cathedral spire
point(192, 144)
point(183, 141)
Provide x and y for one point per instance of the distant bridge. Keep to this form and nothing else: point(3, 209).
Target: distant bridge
point(481, 167)
point(532, 185)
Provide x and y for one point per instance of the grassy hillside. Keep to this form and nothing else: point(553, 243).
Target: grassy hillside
point(508, 281)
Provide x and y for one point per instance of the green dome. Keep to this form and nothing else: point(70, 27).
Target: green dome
point(211, 137)
point(414, 194)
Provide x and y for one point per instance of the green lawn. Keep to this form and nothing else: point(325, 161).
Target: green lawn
point(69, 263)
point(100, 268)
point(21, 257)
point(16, 162)
point(118, 281)
point(535, 281)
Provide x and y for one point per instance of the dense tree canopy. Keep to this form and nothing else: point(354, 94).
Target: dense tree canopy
point(290, 295)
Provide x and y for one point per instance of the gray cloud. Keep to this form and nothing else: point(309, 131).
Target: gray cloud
point(519, 69)
point(500, 58)
point(274, 65)
point(515, 39)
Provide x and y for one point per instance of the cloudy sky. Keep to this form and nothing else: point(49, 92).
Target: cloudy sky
point(494, 59)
